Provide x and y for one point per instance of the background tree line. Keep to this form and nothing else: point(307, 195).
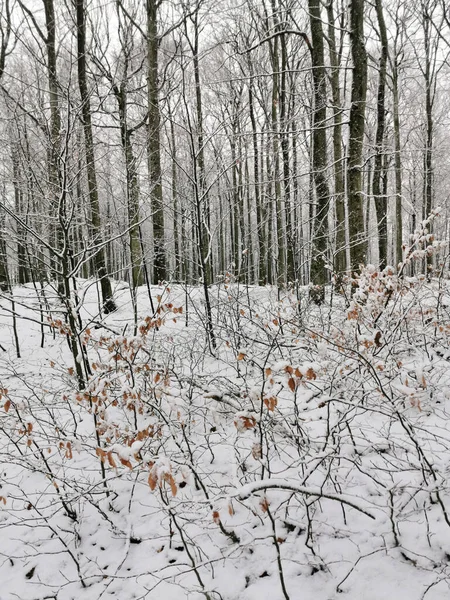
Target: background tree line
point(274, 141)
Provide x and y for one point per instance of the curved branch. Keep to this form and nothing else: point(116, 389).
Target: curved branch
point(302, 34)
point(266, 484)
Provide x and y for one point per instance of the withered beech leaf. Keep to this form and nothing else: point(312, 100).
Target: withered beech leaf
point(310, 374)
point(152, 479)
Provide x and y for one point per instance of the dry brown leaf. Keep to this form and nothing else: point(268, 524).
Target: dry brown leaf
point(152, 479)
point(111, 460)
point(257, 451)
point(264, 504)
point(310, 374)
point(271, 403)
point(171, 481)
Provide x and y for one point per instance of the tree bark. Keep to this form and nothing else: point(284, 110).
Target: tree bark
point(260, 224)
point(319, 274)
point(4, 39)
point(340, 262)
point(429, 127)
point(154, 144)
point(133, 192)
point(279, 204)
point(358, 243)
point(380, 199)
point(398, 166)
point(99, 257)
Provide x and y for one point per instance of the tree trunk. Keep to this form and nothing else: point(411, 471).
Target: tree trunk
point(279, 204)
point(54, 149)
point(319, 274)
point(175, 202)
point(99, 257)
point(340, 263)
point(154, 144)
point(133, 193)
point(358, 243)
point(20, 232)
point(201, 191)
point(379, 197)
point(398, 167)
point(285, 154)
point(429, 126)
point(260, 225)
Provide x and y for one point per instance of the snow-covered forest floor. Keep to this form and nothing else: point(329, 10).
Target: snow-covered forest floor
point(306, 457)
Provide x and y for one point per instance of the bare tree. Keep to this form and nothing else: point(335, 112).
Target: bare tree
point(381, 199)
point(358, 243)
point(319, 273)
point(99, 256)
point(5, 34)
point(154, 144)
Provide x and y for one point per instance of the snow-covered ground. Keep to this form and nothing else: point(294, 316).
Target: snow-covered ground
point(306, 457)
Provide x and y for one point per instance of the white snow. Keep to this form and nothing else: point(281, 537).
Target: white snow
point(176, 474)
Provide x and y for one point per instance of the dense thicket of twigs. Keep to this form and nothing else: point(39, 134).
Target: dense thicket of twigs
point(309, 441)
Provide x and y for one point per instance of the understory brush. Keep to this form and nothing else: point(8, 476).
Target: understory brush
point(307, 455)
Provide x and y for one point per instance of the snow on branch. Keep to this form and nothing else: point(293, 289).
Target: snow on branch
point(266, 484)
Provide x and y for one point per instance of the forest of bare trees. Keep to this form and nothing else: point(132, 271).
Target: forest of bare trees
point(224, 299)
point(271, 141)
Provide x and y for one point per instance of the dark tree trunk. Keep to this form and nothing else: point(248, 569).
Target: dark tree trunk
point(340, 262)
point(379, 197)
point(319, 273)
point(154, 144)
point(358, 242)
point(100, 255)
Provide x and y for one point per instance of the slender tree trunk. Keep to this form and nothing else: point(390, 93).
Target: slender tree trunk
point(21, 235)
point(201, 191)
point(340, 263)
point(133, 192)
point(380, 199)
point(358, 243)
point(260, 226)
point(285, 154)
point(269, 254)
point(175, 201)
point(4, 276)
point(154, 144)
point(398, 167)
point(203, 250)
point(235, 207)
point(429, 126)
point(279, 204)
point(100, 255)
point(54, 148)
point(319, 274)
point(296, 219)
